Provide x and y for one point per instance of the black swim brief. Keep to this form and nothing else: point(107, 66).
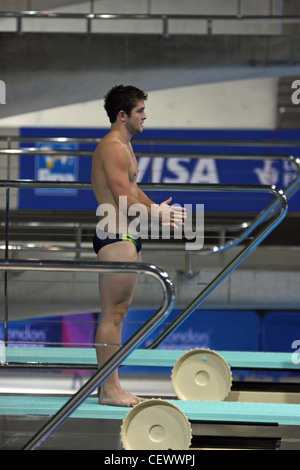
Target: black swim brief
point(99, 243)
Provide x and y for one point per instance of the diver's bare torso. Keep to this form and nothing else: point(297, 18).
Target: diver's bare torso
point(101, 183)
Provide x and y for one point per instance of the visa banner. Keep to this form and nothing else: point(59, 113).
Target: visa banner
point(210, 171)
point(180, 161)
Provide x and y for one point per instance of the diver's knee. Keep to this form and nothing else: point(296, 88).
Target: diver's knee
point(120, 313)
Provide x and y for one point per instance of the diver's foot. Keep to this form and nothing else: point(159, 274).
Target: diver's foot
point(118, 397)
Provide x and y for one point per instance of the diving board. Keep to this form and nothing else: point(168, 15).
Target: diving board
point(264, 413)
point(146, 357)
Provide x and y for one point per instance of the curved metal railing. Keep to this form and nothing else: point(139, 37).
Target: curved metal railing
point(247, 229)
point(263, 217)
point(281, 204)
point(75, 401)
point(123, 352)
point(266, 217)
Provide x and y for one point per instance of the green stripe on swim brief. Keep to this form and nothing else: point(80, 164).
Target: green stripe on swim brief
point(128, 238)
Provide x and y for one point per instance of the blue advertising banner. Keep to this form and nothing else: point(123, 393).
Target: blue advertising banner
point(220, 330)
point(56, 168)
point(230, 330)
point(183, 167)
point(184, 170)
point(60, 167)
point(33, 333)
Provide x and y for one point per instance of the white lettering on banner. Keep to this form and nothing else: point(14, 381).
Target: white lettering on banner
point(143, 164)
point(181, 172)
point(187, 339)
point(27, 334)
point(204, 171)
point(45, 175)
point(157, 169)
point(290, 172)
point(296, 94)
point(267, 174)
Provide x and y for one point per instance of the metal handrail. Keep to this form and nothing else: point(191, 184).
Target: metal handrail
point(89, 153)
point(264, 216)
point(149, 140)
point(123, 352)
point(281, 201)
point(220, 231)
point(151, 324)
point(270, 224)
point(89, 17)
point(291, 189)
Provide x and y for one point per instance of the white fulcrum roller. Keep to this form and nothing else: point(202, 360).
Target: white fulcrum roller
point(156, 424)
point(202, 375)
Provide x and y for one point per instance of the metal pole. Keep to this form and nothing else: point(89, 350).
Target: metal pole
point(6, 246)
point(225, 272)
point(123, 352)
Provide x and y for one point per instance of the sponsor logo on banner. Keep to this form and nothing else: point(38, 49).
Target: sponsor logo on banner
point(56, 168)
point(203, 171)
point(209, 171)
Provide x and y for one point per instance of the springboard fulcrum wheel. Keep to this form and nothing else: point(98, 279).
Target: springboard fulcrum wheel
point(156, 424)
point(201, 374)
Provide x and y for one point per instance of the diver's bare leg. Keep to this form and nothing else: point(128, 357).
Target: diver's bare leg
point(116, 293)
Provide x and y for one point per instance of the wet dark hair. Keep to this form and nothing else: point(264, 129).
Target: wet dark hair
point(123, 98)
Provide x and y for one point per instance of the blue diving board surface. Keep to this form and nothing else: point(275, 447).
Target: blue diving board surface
point(148, 357)
point(238, 412)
